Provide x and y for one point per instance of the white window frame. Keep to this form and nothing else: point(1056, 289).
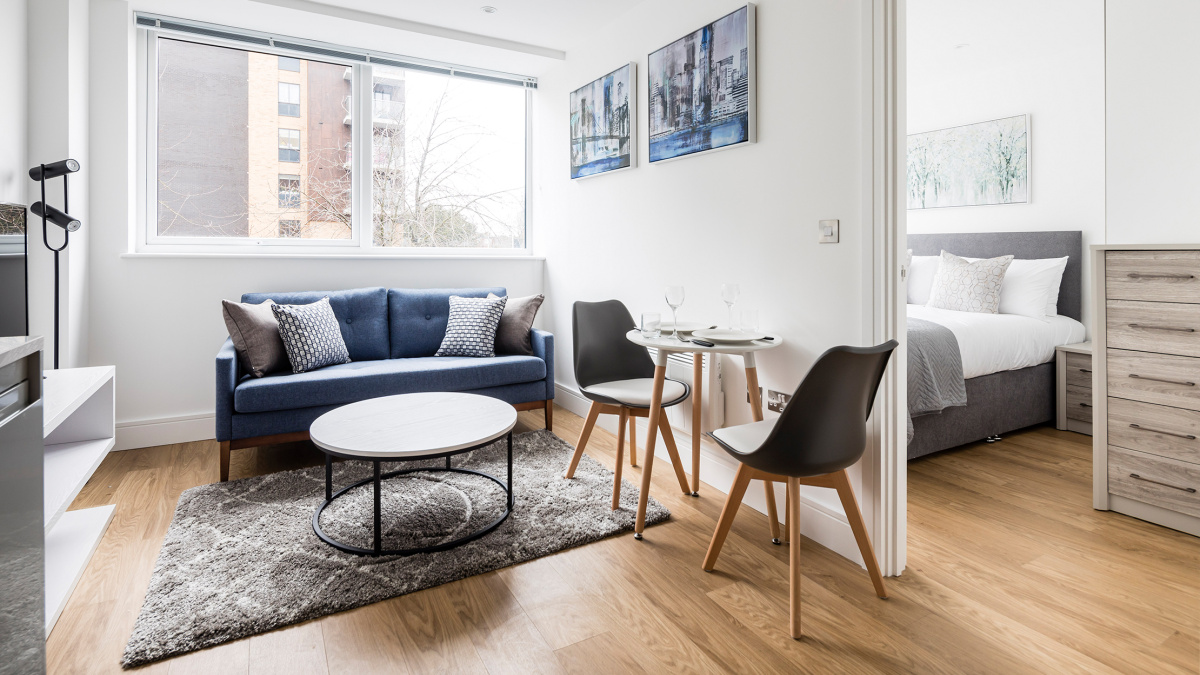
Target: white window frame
point(144, 237)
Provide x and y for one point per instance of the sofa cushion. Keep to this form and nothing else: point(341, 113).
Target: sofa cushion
point(362, 315)
point(417, 317)
point(350, 382)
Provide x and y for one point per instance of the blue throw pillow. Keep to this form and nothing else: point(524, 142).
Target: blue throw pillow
point(311, 335)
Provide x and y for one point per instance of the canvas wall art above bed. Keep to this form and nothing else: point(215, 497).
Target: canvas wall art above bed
point(971, 165)
point(604, 124)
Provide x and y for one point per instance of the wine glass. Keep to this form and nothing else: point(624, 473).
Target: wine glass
point(730, 293)
point(674, 298)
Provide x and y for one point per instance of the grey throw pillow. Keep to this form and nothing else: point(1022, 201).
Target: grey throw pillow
point(255, 334)
point(967, 286)
point(471, 328)
point(311, 335)
point(512, 336)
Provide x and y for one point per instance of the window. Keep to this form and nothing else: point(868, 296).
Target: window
point(289, 191)
point(289, 145)
point(442, 159)
point(289, 99)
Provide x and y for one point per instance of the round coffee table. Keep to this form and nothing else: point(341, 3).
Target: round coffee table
point(408, 427)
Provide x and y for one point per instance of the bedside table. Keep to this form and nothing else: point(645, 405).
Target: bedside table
point(1073, 387)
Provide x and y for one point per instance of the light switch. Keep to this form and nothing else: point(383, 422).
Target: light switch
point(829, 232)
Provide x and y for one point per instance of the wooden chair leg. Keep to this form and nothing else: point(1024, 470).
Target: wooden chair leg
point(632, 441)
point(787, 517)
point(793, 488)
point(738, 490)
point(550, 415)
point(772, 511)
point(669, 440)
point(224, 461)
point(616, 500)
point(593, 413)
point(854, 515)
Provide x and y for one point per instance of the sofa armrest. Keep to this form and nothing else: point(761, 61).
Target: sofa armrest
point(543, 348)
point(228, 374)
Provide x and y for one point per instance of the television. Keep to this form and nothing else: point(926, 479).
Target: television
point(14, 275)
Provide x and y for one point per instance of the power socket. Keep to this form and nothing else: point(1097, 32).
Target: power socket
point(777, 400)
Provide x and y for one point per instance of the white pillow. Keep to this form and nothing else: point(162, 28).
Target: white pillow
point(1031, 287)
point(921, 270)
point(965, 286)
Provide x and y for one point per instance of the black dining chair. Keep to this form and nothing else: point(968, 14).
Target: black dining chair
point(617, 376)
point(820, 433)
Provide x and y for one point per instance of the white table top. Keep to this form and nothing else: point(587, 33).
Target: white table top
point(669, 343)
point(409, 426)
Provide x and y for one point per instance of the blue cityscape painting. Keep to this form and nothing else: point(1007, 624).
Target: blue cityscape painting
point(701, 89)
point(604, 124)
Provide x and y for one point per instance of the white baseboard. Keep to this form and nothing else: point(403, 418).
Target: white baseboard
point(165, 431)
point(819, 522)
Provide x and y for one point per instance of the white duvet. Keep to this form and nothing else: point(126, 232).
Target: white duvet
point(990, 343)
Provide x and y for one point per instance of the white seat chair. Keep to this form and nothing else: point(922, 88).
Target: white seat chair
point(617, 376)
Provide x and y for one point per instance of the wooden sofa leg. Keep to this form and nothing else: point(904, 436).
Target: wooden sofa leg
point(549, 414)
point(224, 461)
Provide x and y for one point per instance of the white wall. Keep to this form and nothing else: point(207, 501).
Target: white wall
point(57, 123)
point(747, 215)
point(159, 319)
point(1153, 138)
point(1022, 56)
point(13, 126)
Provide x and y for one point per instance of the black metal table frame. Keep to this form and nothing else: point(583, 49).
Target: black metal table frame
point(378, 478)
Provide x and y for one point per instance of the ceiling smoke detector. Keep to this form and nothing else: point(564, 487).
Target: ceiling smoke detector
point(488, 9)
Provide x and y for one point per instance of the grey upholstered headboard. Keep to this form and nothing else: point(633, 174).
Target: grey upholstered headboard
point(1024, 245)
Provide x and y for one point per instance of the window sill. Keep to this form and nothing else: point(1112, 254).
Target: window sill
point(334, 256)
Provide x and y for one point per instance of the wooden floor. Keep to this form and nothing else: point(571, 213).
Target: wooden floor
point(1010, 571)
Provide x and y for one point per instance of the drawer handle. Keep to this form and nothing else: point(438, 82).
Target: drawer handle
point(1170, 328)
point(1159, 379)
point(1173, 487)
point(1136, 275)
point(1084, 370)
point(1085, 405)
point(1160, 431)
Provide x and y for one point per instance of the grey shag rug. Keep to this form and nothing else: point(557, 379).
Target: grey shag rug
point(241, 558)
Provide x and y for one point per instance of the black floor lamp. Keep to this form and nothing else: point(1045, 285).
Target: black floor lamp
point(42, 173)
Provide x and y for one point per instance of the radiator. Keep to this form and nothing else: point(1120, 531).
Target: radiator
point(712, 398)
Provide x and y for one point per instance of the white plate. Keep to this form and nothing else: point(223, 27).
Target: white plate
point(684, 326)
point(727, 335)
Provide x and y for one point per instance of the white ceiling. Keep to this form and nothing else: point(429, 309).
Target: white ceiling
point(557, 24)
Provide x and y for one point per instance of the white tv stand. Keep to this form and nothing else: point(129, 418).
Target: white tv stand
point(78, 424)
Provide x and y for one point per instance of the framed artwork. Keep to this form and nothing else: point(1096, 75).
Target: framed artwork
point(604, 124)
point(702, 89)
point(972, 165)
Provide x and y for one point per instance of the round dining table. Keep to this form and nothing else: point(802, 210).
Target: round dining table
point(665, 345)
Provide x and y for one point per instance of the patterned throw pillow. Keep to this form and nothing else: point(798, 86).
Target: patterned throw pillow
point(471, 329)
point(968, 286)
point(311, 335)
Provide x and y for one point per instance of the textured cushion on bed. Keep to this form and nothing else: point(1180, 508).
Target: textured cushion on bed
point(966, 286)
point(1031, 287)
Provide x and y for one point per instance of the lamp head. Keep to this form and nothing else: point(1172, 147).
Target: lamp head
point(54, 170)
point(55, 216)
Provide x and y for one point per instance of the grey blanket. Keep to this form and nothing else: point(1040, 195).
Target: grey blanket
point(935, 374)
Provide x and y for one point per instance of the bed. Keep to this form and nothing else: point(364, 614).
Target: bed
point(1008, 360)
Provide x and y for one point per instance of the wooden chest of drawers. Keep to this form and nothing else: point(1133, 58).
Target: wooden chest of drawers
point(1074, 387)
point(1146, 380)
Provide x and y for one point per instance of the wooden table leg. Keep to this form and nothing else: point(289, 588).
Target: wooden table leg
point(697, 408)
point(660, 376)
point(756, 411)
point(632, 441)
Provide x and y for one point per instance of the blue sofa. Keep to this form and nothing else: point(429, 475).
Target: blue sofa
point(392, 335)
